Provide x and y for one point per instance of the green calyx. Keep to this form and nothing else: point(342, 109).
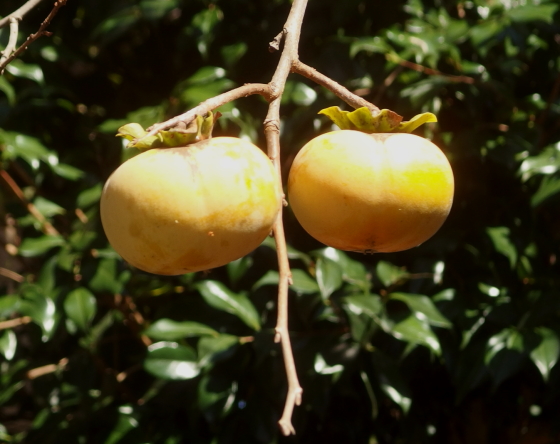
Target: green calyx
point(199, 129)
point(386, 121)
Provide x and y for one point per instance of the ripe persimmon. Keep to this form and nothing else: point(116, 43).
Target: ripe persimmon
point(380, 192)
point(171, 211)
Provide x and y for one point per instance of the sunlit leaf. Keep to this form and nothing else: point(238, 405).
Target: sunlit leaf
point(423, 307)
point(80, 306)
point(416, 331)
point(502, 243)
point(546, 354)
point(220, 297)
point(169, 360)
point(329, 276)
point(169, 330)
point(31, 247)
point(389, 274)
point(8, 344)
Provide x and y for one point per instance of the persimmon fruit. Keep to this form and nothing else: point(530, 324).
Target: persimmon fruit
point(171, 211)
point(381, 192)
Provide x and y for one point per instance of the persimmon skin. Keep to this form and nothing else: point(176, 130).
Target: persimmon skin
point(382, 192)
point(178, 210)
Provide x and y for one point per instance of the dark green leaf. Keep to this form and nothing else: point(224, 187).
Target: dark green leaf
point(169, 360)
point(546, 354)
point(388, 273)
point(550, 186)
point(529, 13)
point(369, 305)
point(169, 330)
point(8, 344)
point(329, 276)
point(303, 283)
point(423, 307)
point(31, 247)
point(80, 306)
point(213, 348)
point(18, 68)
point(502, 243)
point(220, 297)
point(416, 331)
point(105, 277)
point(237, 269)
point(89, 196)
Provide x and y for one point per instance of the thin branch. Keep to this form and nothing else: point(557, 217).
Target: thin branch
point(12, 40)
point(11, 323)
point(431, 72)
point(11, 275)
point(46, 225)
point(288, 59)
point(341, 92)
point(40, 32)
point(46, 369)
point(211, 104)
point(20, 12)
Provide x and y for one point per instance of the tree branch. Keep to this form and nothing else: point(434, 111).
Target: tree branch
point(288, 59)
point(12, 41)
point(211, 104)
point(40, 32)
point(341, 92)
point(46, 225)
point(20, 12)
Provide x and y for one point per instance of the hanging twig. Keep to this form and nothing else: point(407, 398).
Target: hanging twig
point(40, 32)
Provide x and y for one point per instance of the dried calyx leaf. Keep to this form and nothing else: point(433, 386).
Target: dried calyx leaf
point(181, 135)
point(386, 121)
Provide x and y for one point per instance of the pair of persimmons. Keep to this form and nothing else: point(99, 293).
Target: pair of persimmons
point(177, 210)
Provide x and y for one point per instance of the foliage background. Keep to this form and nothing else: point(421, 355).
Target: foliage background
point(455, 341)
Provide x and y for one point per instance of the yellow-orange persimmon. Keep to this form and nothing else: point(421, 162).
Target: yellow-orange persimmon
point(380, 192)
point(177, 210)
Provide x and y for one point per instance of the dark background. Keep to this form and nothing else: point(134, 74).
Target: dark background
point(455, 341)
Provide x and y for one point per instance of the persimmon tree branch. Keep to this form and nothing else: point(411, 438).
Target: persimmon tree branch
point(211, 104)
point(20, 12)
point(291, 35)
point(350, 98)
point(272, 92)
point(10, 54)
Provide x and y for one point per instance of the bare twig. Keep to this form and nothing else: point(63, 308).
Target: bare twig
point(350, 98)
point(11, 275)
point(20, 12)
point(424, 69)
point(213, 103)
point(12, 40)
point(46, 369)
point(11, 323)
point(46, 225)
point(40, 32)
point(288, 59)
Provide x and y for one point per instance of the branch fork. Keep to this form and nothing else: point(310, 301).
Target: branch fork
point(288, 63)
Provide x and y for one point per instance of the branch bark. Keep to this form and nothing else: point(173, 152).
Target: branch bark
point(40, 32)
point(288, 59)
point(20, 12)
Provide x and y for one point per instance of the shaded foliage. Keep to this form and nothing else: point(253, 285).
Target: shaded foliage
point(455, 341)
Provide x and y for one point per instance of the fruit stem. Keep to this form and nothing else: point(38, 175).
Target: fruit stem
point(289, 56)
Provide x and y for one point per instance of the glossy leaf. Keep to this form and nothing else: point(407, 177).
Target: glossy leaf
point(169, 330)
point(329, 277)
point(545, 356)
point(80, 306)
point(388, 273)
point(423, 307)
point(31, 247)
point(500, 237)
point(417, 331)
point(220, 297)
point(8, 344)
point(169, 360)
